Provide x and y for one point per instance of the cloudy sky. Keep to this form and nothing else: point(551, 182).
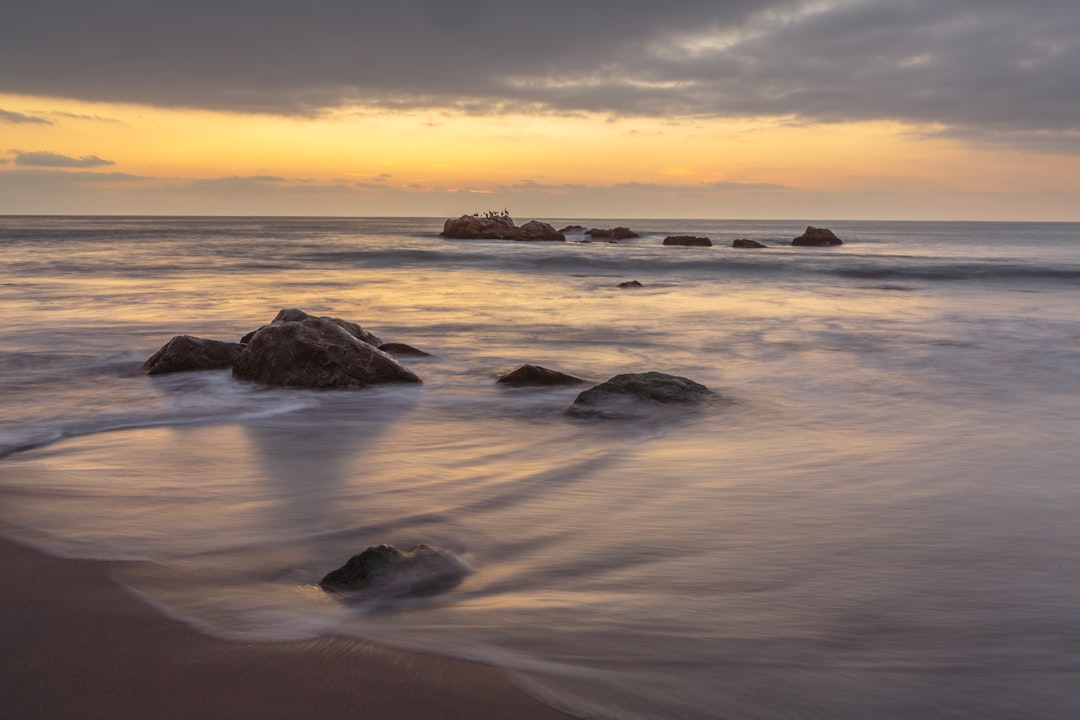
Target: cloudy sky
point(920, 109)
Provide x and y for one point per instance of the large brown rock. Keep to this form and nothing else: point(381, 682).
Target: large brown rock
point(817, 237)
point(316, 353)
point(498, 227)
point(185, 352)
point(386, 571)
point(626, 395)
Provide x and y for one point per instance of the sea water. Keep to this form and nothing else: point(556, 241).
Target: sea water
point(878, 519)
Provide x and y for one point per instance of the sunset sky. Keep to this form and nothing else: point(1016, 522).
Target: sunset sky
point(922, 109)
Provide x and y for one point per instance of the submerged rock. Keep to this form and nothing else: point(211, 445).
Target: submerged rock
point(623, 395)
point(688, 240)
point(298, 315)
point(395, 348)
point(817, 237)
point(386, 571)
point(184, 353)
point(535, 375)
point(498, 227)
point(316, 353)
point(617, 233)
point(745, 243)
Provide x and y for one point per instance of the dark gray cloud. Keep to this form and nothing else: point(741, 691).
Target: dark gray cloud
point(17, 118)
point(54, 160)
point(977, 66)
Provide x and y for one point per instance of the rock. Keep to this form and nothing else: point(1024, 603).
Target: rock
point(316, 353)
point(402, 349)
point(498, 227)
point(744, 243)
point(298, 315)
point(623, 395)
point(572, 229)
point(386, 571)
point(618, 233)
point(535, 375)
point(688, 240)
point(817, 237)
point(185, 352)
point(630, 284)
point(536, 230)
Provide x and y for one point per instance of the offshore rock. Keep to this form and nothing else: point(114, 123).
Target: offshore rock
point(185, 352)
point(626, 395)
point(817, 237)
point(572, 229)
point(396, 348)
point(617, 233)
point(386, 571)
point(688, 240)
point(532, 375)
point(631, 284)
point(316, 353)
point(498, 227)
point(298, 315)
point(745, 243)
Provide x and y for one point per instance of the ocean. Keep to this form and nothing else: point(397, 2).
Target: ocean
point(877, 520)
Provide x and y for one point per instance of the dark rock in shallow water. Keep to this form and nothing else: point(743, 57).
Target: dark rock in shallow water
point(618, 233)
point(536, 375)
point(817, 237)
point(572, 229)
point(688, 240)
point(402, 349)
point(316, 353)
point(298, 315)
point(623, 395)
point(745, 243)
point(386, 571)
point(185, 352)
point(630, 284)
point(498, 227)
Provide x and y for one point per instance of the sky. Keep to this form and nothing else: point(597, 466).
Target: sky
point(819, 109)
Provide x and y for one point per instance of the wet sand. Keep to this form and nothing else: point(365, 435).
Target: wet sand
point(74, 644)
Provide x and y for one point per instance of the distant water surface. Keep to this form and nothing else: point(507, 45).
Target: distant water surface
point(878, 520)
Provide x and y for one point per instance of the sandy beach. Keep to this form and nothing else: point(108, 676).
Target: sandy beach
point(77, 645)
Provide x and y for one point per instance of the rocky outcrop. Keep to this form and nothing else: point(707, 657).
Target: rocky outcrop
point(395, 348)
point(498, 227)
point(745, 243)
point(630, 284)
point(817, 237)
point(572, 229)
point(616, 233)
point(298, 315)
point(185, 352)
point(533, 375)
point(626, 395)
point(385, 571)
point(688, 240)
point(317, 353)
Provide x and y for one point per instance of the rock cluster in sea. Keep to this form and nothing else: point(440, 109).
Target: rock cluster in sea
point(498, 226)
point(296, 350)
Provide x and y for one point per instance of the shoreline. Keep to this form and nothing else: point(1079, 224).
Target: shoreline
point(75, 644)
